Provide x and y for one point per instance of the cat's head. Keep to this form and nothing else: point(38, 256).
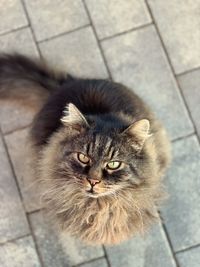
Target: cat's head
point(100, 158)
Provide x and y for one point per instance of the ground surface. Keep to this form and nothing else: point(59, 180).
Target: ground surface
point(152, 46)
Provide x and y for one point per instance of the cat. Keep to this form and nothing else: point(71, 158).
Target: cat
point(99, 151)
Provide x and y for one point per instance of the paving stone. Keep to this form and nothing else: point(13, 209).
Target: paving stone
point(18, 147)
point(115, 16)
point(50, 18)
point(13, 222)
point(76, 52)
point(19, 253)
point(151, 251)
point(20, 41)
point(181, 212)
point(18, 113)
point(66, 252)
point(190, 87)
point(12, 15)
point(18, 108)
point(96, 263)
point(179, 26)
point(189, 258)
point(145, 69)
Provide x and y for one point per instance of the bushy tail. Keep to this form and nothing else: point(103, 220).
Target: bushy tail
point(19, 71)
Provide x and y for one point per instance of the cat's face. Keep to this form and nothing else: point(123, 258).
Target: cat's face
point(99, 163)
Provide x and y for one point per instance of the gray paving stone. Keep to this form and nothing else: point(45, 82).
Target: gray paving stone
point(96, 263)
point(50, 18)
point(179, 26)
point(17, 113)
point(13, 222)
point(14, 112)
point(66, 252)
point(20, 41)
point(19, 253)
point(112, 17)
point(181, 212)
point(12, 15)
point(189, 258)
point(18, 147)
point(76, 52)
point(145, 69)
point(151, 251)
point(190, 87)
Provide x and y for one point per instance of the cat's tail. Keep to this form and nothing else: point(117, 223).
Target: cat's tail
point(17, 71)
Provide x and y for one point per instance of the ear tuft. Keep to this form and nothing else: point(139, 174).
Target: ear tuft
point(73, 117)
point(139, 130)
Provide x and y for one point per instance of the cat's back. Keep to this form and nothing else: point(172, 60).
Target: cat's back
point(91, 97)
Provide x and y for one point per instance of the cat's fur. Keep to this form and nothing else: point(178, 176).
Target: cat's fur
point(105, 121)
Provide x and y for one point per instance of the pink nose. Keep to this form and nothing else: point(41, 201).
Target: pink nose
point(93, 181)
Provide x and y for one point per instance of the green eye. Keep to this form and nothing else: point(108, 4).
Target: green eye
point(83, 158)
point(113, 165)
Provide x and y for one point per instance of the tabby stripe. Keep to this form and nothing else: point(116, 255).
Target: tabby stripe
point(108, 147)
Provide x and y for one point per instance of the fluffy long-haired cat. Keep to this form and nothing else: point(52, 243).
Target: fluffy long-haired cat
point(99, 152)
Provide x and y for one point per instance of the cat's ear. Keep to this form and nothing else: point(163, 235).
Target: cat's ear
point(74, 118)
point(139, 132)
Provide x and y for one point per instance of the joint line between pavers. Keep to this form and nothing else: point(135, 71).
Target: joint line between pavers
point(14, 30)
point(32, 31)
point(35, 242)
point(15, 239)
point(187, 249)
point(172, 68)
point(106, 256)
point(63, 33)
point(184, 137)
point(98, 42)
point(170, 245)
point(90, 261)
point(17, 129)
point(187, 71)
point(127, 31)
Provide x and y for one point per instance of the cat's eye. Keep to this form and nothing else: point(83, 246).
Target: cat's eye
point(113, 165)
point(83, 158)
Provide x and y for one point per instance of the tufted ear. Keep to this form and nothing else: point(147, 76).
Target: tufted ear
point(74, 118)
point(139, 131)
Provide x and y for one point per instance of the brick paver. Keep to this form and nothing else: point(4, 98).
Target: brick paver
point(144, 68)
point(68, 252)
point(74, 51)
point(12, 15)
point(153, 46)
point(189, 258)
point(19, 253)
point(151, 251)
point(50, 18)
point(108, 16)
point(189, 83)
point(21, 161)
point(20, 41)
point(179, 26)
point(181, 212)
point(13, 223)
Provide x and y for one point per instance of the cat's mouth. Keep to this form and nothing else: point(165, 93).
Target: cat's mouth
point(95, 194)
point(91, 191)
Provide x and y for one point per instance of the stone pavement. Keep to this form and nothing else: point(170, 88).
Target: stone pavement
point(152, 46)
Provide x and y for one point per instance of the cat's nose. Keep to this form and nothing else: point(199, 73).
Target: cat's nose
point(93, 182)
